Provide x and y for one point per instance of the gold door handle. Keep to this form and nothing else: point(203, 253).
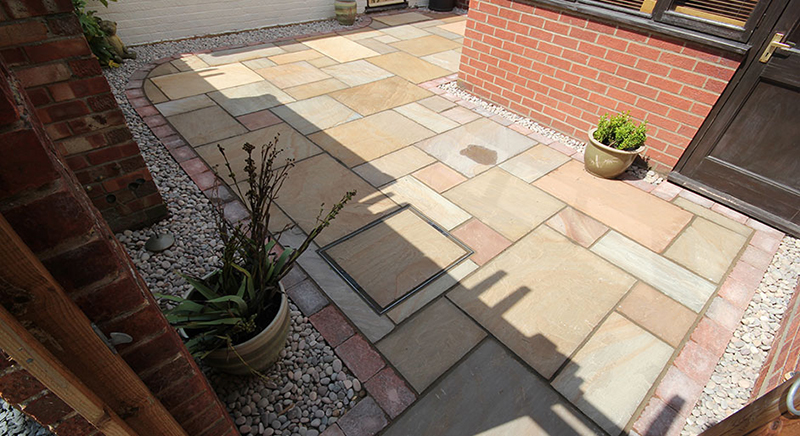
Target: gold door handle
point(774, 44)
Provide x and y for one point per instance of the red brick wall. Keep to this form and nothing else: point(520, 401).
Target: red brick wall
point(41, 40)
point(784, 357)
point(565, 71)
point(47, 206)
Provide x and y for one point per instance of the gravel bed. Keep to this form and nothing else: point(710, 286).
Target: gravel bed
point(734, 377)
point(635, 171)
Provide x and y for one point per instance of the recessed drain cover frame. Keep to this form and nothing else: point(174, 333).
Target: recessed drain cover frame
point(363, 293)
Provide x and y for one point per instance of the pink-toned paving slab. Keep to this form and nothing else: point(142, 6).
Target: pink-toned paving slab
point(482, 239)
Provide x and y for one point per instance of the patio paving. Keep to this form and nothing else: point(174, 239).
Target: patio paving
point(580, 293)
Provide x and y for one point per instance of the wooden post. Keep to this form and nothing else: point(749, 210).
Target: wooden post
point(38, 302)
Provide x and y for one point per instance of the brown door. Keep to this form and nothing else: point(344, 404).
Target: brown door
point(747, 155)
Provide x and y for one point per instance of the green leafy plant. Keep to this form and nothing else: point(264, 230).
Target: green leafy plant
point(94, 34)
point(235, 302)
point(620, 132)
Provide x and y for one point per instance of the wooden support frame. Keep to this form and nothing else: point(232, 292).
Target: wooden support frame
point(41, 305)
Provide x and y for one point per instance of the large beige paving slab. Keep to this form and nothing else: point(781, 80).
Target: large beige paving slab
point(295, 146)
point(313, 89)
point(461, 114)
point(534, 163)
point(369, 138)
point(408, 190)
point(393, 165)
point(427, 117)
point(657, 313)
point(405, 32)
point(668, 277)
point(206, 125)
point(240, 54)
point(288, 75)
point(321, 180)
point(505, 203)
point(436, 103)
point(377, 46)
point(425, 45)
point(437, 338)
point(475, 147)
point(252, 97)
point(297, 56)
point(191, 83)
point(391, 258)
point(188, 104)
point(378, 96)
point(713, 216)
point(642, 217)
point(399, 19)
point(314, 114)
point(409, 67)
point(542, 297)
point(189, 63)
point(430, 292)
point(357, 72)
point(450, 60)
point(340, 48)
point(611, 375)
point(257, 64)
point(579, 227)
point(372, 325)
point(706, 248)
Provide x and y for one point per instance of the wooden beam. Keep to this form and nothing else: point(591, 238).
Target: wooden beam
point(31, 355)
point(41, 305)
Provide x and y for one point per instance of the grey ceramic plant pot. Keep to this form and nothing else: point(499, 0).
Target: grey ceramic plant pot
point(604, 161)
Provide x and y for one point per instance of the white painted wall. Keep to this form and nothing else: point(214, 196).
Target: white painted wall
point(144, 21)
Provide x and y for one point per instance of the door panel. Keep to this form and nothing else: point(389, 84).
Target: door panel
point(748, 156)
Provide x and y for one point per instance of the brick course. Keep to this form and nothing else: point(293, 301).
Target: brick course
point(565, 71)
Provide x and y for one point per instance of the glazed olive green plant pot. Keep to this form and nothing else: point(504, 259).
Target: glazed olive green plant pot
point(604, 161)
point(345, 11)
point(259, 352)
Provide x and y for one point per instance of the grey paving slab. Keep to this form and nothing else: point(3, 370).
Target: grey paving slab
point(491, 394)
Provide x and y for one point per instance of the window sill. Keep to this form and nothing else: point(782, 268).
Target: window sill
point(645, 24)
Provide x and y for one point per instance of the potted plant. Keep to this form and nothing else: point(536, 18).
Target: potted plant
point(613, 145)
point(237, 318)
point(345, 11)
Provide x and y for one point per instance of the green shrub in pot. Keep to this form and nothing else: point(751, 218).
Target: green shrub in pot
point(613, 145)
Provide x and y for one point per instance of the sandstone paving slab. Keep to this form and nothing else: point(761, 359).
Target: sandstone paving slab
point(252, 97)
point(359, 34)
point(386, 39)
point(206, 125)
point(613, 372)
point(439, 177)
point(475, 147)
point(294, 145)
point(378, 96)
point(393, 165)
point(191, 83)
point(340, 48)
point(320, 179)
point(357, 72)
point(436, 30)
point(259, 120)
point(424, 349)
point(482, 239)
point(706, 248)
point(257, 64)
point(315, 114)
point(322, 62)
point(461, 115)
point(153, 93)
point(542, 297)
point(713, 216)
point(636, 214)
point(408, 190)
point(393, 257)
point(163, 69)
point(581, 228)
point(491, 394)
point(450, 60)
point(534, 163)
point(426, 117)
point(504, 202)
point(377, 46)
point(240, 54)
point(313, 89)
point(425, 45)
point(668, 277)
point(456, 27)
point(369, 138)
point(409, 67)
point(657, 313)
point(405, 32)
point(436, 103)
point(188, 104)
point(189, 63)
point(288, 75)
point(431, 291)
point(296, 56)
point(399, 19)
